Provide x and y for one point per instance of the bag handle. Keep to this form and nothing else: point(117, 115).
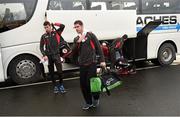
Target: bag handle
point(104, 70)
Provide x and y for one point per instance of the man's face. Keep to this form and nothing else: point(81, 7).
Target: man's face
point(78, 28)
point(48, 28)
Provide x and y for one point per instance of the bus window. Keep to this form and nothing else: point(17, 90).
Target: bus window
point(14, 13)
point(160, 7)
point(123, 5)
point(175, 6)
point(97, 5)
point(67, 5)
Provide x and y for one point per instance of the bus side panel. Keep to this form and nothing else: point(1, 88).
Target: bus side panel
point(156, 40)
point(1, 68)
point(177, 41)
point(168, 30)
point(105, 24)
point(32, 49)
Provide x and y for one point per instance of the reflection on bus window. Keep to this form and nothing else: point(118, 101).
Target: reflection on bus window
point(15, 14)
point(98, 6)
point(11, 12)
point(8, 15)
point(67, 5)
point(123, 5)
point(115, 5)
point(160, 6)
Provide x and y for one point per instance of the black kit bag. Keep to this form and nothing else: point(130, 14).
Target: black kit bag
point(110, 80)
point(64, 47)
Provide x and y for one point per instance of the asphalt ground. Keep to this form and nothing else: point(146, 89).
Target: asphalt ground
point(152, 91)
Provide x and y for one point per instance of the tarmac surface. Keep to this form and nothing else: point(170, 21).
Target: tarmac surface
point(149, 92)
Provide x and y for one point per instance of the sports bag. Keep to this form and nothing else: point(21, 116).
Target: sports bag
point(95, 84)
point(110, 80)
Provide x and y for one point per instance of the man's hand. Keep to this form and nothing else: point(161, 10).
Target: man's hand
point(103, 64)
point(45, 58)
point(81, 37)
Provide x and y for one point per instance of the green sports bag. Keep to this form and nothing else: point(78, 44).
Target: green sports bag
point(95, 84)
point(110, 80)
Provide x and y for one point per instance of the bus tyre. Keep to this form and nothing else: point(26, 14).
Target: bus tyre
point(25, 69)
point(166, 54)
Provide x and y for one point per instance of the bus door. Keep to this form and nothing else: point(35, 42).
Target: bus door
point(1, 67)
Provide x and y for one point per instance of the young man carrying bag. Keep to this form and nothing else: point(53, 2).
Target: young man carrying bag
point(87, 45)
point(49, 47)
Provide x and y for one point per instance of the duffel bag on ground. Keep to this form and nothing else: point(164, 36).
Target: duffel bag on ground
point(110, 80)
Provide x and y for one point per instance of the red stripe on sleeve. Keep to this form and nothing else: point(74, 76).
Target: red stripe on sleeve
point(57, 24)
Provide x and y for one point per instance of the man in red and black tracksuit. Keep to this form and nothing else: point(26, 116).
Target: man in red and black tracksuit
point(87, 45)
point(49, 46)
point(117, 57)
point(116, 50)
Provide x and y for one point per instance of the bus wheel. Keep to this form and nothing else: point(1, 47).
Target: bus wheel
point(166, 54)
point(25, 69)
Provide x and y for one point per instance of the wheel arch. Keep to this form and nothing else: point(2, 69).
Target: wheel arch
point(167, 41)
point(171, 44)
point(14, 56)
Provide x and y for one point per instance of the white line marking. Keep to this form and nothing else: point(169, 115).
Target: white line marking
point(73, 78)
point(145, 68)
point(33, 84)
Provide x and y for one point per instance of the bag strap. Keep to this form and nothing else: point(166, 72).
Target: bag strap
point(58, 36)
point(91, 41)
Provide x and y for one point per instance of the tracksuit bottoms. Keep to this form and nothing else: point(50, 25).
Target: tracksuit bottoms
point(55, 60)
point(87, 72)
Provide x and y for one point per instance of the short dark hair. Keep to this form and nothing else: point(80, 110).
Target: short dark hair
point(78, 22)
point(46, 23)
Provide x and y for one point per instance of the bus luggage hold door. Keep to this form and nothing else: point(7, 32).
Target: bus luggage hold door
point(1, 67)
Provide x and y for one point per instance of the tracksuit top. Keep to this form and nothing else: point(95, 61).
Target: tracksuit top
point(50, 42)
point(88, 49)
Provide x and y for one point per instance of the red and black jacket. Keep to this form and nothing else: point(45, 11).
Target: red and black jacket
point(117, 44)
point(50, 42)
point(88, 50)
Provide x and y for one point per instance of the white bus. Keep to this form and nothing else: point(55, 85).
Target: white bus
point(153, 31)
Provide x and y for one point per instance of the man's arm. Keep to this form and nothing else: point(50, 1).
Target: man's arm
point(42, 43)
point(61, 27)
point(98, 47)
point(75, 46)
